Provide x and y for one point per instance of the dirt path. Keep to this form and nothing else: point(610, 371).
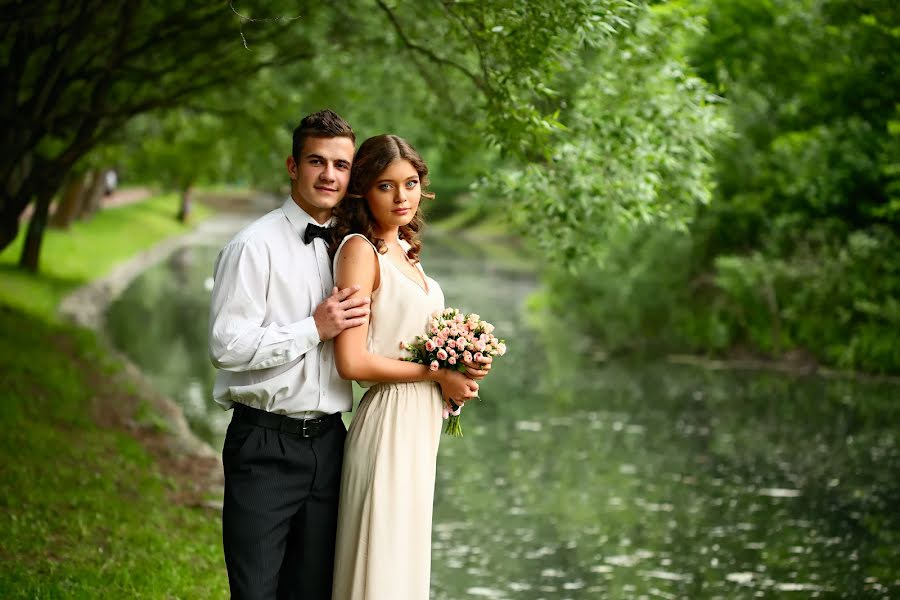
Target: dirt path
point(120, 197)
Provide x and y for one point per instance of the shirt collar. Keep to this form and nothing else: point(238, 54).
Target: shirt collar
point(299, 218)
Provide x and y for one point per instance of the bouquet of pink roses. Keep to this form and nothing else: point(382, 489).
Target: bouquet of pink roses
point(450, 339)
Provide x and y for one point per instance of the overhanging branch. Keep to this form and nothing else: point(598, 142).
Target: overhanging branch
point(412, 46)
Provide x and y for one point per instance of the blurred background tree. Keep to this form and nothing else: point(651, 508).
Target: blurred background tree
point(712, 176)
point(797, 253)
point(76, 73)
point(80, 73)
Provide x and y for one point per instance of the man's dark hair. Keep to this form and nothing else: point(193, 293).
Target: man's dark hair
point(323, 124)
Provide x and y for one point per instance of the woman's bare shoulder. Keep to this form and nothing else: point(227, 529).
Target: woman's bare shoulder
point(355, 247)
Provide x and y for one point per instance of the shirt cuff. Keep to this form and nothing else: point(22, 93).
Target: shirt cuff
point(306, 334)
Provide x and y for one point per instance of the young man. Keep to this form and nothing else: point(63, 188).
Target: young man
point(274, 314)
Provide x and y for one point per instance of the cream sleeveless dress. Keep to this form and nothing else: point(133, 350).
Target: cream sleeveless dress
point(387, 485)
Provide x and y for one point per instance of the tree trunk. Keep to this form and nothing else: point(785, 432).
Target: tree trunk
point(31, 251)
point(70, 204)
point(9, 222)
point(184, 212)
point(90, 204)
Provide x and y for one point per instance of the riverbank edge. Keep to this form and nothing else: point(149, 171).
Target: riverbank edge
point(87, 306)
point(488, 231)
point(103, 497)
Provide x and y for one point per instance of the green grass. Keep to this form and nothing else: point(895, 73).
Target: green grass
point(87, 251)
point(85, 510)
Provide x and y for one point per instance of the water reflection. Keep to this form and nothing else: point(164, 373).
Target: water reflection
point(579, 478)
point(644, 480)
point(160, 322)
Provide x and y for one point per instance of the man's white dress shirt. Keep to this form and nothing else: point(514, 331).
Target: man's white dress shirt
point(262, 336)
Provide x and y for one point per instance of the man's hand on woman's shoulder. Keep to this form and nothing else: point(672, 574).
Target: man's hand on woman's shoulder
point(339, 311)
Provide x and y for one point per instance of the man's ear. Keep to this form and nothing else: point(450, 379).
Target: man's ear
point(291, 167)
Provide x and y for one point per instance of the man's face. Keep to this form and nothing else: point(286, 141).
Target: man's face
point(319, 179)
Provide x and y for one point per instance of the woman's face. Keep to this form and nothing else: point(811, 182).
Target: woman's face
point(394, 197)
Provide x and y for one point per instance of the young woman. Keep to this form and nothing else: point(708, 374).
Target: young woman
point(387, 484)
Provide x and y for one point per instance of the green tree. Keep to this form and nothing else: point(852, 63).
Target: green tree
point(499, 83)
point(634, 148)
point(76, 73)
point(796, 254)
point(802, 238)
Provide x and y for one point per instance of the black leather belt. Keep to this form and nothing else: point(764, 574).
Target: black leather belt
point(306, 428)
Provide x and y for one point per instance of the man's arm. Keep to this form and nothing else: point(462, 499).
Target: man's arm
point(237, 339)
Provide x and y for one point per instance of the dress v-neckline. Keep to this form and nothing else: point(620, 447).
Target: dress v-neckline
point(425, 288)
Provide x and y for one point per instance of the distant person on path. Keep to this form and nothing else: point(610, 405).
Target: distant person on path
point(273, 316)
point(111, 180)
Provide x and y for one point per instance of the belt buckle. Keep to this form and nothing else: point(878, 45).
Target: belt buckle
point(304, 432)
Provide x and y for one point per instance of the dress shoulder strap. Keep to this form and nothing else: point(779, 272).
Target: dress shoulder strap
point(406, 246)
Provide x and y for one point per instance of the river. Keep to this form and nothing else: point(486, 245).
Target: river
point(580, 477)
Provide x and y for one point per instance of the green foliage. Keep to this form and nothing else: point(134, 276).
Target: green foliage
point(87, 251)
point(635, 148)
point(803, 232)
point(178, 149)
point(836, 299)
point(552, 86)
point(76, 75)
point(798, 248)
point(637, 299)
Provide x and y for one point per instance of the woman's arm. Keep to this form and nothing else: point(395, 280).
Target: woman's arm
point(357, 263)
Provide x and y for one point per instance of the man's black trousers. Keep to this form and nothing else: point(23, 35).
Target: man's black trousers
point(280, 511)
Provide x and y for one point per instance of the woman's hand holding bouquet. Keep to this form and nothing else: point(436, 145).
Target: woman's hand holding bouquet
point(451, 340)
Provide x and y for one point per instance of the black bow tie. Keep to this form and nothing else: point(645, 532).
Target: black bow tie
point(314, 231)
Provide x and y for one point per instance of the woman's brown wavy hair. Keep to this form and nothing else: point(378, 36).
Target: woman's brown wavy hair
point(352, 215)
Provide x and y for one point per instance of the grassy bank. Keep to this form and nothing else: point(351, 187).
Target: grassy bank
point(93, 503)
point(86, 251)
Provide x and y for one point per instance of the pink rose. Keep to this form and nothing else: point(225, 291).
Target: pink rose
point(452, 359)
point(459, 318)
point(480, 346)
point(467, 356)
point(461, 343)
point(451, 351)
point(501, 348)
point(442, 354)
point(478, 356)
point(429, 346)
point(434, 365)
point(439, 342)
point(445, 332)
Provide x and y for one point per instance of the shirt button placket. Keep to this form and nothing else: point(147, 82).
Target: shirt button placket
point(324, 276)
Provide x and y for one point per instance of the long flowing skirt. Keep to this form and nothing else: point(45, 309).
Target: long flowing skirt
point(387, 491)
